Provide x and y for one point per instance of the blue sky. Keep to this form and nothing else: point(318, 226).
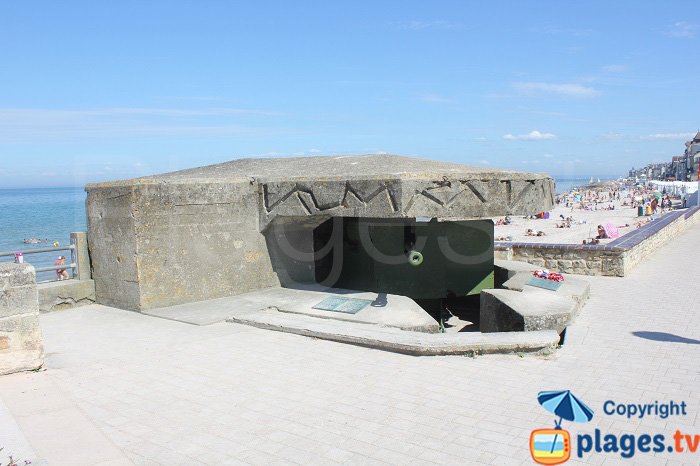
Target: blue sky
point(107, 90)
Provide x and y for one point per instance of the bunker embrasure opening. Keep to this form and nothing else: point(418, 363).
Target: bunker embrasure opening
point(431, 262)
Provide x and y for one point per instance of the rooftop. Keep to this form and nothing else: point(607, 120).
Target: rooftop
point(331, 168)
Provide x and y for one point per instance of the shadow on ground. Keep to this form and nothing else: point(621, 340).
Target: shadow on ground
point(663, 336)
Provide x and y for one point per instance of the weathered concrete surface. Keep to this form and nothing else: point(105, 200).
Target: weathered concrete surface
point(577, 289)
point(506, 269)
point(81, 255)
point(155, 245)
point(204, 233)
point(21, 346)
point(165, 392)
point(398, 341)
point(55, 296)
point(385, 311)
point(514, 311)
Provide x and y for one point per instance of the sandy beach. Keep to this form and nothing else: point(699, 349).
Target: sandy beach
point(583, 226)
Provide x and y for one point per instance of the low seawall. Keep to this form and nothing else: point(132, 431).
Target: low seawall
point(615, 259)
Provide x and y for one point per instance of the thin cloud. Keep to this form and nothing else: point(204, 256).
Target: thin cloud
point(683, 29)
point(615, 68)
point(613, 136)
point(128, 112)
point(531, 136)
point(669, 136)
point(564, 89)
point(34, 124)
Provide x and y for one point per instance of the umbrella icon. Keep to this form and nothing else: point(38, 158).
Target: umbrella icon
point(565, 405)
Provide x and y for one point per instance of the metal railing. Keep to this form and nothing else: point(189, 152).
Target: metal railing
point(73, 264)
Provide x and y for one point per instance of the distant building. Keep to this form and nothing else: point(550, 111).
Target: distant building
point(681, 167)
point(692, 152)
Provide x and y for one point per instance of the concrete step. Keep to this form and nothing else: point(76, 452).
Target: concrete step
point(505, 269)
point(574, 288)
point(386, 310)
point(401, 341)
point(533, 310)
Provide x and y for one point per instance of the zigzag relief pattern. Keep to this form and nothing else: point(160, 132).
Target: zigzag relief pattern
point(521, 195)
point(446, 195)
point(437, 194)
point(309, 201)
point(465, 197)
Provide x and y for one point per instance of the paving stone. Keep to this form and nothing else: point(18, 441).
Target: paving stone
point(246, 386)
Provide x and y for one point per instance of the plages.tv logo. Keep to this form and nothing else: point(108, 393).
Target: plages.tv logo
point(553, 446)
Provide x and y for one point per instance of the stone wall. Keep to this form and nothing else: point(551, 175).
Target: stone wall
point(583, 261)
point(652, 243)
point(616, 258)
point(21, 346)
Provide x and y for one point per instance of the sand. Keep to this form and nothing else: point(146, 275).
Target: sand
point(579, 231)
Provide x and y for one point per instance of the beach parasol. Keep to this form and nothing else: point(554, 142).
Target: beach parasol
point(658, 195)
point(565, 405)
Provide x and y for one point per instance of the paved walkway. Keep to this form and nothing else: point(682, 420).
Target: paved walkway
point(125, 388)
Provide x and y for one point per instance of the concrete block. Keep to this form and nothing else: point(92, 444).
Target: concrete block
point(577, 289)
point(12, 276)
point(21, 346)
point(505, 269)
point(54, 296)
point(202, 234)
point(17, 289)
point(509, 311)
point(17, 300)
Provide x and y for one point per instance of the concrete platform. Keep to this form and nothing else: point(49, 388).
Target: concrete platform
point(577, 289)
point(395, 340)
point(386, 310)
point(514, 311)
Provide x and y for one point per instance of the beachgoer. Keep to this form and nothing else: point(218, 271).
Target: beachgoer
point(601, 232)
point(62, 274)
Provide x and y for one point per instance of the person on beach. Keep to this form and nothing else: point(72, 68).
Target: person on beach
point(62, 274)
point(602, 234)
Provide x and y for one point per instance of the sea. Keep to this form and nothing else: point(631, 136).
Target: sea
point(564, 185)
point(51, 214)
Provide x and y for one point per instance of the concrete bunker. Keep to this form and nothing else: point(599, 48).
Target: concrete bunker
point(378, 223)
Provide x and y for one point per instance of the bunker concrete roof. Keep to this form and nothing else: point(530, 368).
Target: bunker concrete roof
point(377, 186)
point(329, 168)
